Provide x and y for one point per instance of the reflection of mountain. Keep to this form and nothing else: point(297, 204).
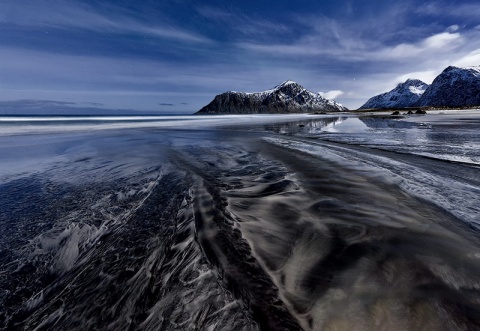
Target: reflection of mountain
point(288, 97)
point(309, 126)
point(385, 122)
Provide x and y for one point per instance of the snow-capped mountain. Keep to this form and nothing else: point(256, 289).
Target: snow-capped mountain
point(288, 97)
point(454, 87)
point(404, 95)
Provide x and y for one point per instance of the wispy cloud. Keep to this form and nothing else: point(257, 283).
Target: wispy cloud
point(359, 50)
point(321, 37)
point(471, 59)
point(245, 24)
point(68, 14)
point(425, 76)
point(445, 41)
point(55, 107)
point(332, 94)
point(453, 28)
point(450, 9)
point(30, 103)
point(96, 104)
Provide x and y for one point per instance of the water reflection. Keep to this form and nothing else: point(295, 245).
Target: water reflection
point(458, 140)
point(336, 124)
point(308, 125)
point(385, 122)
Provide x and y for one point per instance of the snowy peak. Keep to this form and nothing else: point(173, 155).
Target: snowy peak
point(287, 97)
point(456, 73)
point(465, 71)
point(415, 86)
point(404, 95)
point(454, 87)
point(286, 83)
point(289, 88)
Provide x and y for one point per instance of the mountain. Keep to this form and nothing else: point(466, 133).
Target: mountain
point(288, 97)
point(454, 87)
point(404, 95)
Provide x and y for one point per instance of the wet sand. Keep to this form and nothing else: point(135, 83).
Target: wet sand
point(240, 228)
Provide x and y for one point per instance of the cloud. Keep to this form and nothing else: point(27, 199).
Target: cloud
point(54, 107)
point(439, 40)
point(469, 60)
point(448, 9)
point(166, 104)
point(424, 76)
point(453, 28)
point(359, 51)
point(68, 14)
point(385, 38)
point(284, 49)
point(164, 32)
point(332, 94)
point(444, 41)
point(245, 24)
point(30, 103)
point(319, 36)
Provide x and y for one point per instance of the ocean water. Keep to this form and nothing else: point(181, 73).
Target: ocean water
point(300, 222)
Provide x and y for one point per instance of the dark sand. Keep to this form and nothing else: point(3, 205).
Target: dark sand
point(241, 228)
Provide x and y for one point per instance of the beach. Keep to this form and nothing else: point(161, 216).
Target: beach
point(301, 222)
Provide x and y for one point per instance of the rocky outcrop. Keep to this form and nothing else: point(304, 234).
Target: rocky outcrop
point(288, 97)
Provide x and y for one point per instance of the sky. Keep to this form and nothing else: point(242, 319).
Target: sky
point(174, 56)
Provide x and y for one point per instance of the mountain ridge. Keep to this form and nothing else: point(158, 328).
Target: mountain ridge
point(454, 87)
point(404, 95)
point(285, 98)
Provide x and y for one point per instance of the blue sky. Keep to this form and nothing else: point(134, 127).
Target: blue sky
point(175, 56)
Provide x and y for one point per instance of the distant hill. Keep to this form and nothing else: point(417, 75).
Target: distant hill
point(288, 97)
point(454, 87)
point(404, 95)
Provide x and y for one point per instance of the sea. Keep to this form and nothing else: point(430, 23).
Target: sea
point(240, 222)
